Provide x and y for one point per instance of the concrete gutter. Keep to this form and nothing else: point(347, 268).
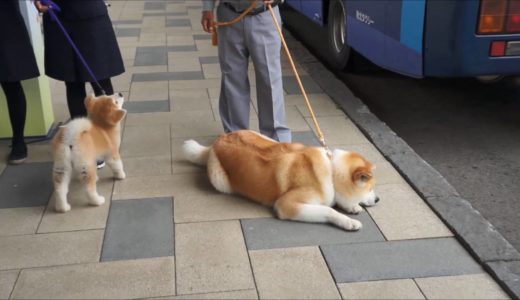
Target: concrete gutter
point(477, 235)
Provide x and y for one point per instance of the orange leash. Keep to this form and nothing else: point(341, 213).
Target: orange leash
point(214, 38)
point(319, 134)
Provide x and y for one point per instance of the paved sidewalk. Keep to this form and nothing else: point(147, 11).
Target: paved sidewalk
point(167, 233)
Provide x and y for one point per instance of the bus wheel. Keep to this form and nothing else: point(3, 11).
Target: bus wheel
point(337, 35)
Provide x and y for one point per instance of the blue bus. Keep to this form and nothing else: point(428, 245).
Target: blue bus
point(422, 38)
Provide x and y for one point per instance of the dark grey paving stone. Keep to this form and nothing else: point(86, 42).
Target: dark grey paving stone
point(193, 6)
point(165, 14)
point(208, 59)
point(291, 85)
point(308, 138)
point(126, 22)
point(183, 48)
point(202, 36)
point(178, 23)
point(270, 233)
point(139, 228)
point(151, 56)
point(148, 106)
point(128, 32)
point(161, 76)
point(26, 185)
point(398, 259)
point(154, 5)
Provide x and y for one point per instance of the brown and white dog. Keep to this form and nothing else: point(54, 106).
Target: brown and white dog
point(80, 142)
point(301, 183)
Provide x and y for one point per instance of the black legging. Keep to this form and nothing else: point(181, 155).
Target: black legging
point(17, 107)
point(76, 94)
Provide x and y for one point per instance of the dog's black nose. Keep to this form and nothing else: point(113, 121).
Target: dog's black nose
point(377, 199)
point(120, 94)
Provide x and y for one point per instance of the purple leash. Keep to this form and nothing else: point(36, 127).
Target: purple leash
point(53, 6)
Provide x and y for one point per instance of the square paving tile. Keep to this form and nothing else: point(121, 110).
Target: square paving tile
point(145, 141)
point(7, 281)
point(271, 233)
point(151, 56)
point(148, 106)
point(148, 91)
point(39, 250)
point(154, 5)
point(24, 220)
point(127, 32)
point(26, 185)
point(242, 294)
point(217, 207)
point(402, 214)
point(202, 37)
point(211, 257)
point(291, 86)
point(208, 59)
point(339, 130)
point(296, 273)
point(109, 280)
point(386, 289)
point(139, 228)
point(182, 48)
point(148, 165)
point(308, 138)
point(398, 260)
point(159, 76)
point(475, 286)
point(178, 23)
point(82, 216)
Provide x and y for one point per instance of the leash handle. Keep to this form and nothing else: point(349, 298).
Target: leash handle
point(52, 7)
point(321, 138)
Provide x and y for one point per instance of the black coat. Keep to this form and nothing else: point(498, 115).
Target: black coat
point(17, 61)
point(90, 27)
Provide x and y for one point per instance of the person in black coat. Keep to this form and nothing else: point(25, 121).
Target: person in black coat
point(17, 63)
point(89, 25)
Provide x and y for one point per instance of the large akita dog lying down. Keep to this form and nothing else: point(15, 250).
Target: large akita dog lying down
point(78, 144)
point(301, 183)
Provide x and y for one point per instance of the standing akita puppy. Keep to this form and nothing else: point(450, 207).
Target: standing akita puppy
point(79, 143)
point(301, 183)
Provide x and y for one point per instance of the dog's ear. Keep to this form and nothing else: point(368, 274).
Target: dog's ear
point(118, 115)
point(89, 101)
point(362, 174)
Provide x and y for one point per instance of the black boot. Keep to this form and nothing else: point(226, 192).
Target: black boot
point(18, 154)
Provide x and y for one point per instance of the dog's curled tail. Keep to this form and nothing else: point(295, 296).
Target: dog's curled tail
point(195, 152)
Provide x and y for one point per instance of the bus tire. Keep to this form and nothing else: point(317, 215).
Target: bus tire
point(338, 48)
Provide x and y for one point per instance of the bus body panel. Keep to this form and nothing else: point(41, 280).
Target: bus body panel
point(452, 47)
point(418, 37)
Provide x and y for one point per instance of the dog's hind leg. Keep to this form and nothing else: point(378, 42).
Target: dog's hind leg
point(89, 177)
point(116, 164)
point(217, 175)
point(293, 206)
point(61, 176)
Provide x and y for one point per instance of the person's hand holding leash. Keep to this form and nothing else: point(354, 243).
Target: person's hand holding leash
point(207, 21)
point(40, 7)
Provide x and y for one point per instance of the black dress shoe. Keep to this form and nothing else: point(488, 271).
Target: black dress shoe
point(18, 154)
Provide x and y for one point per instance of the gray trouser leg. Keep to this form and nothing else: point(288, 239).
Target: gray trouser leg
point(264, 45)
point(235, 99)
point(256, 36)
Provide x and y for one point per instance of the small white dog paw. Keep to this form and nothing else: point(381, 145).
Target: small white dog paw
point(355, 209)
point(352, 225)
point(120, 175)
point(62, 208)
point(98, 201)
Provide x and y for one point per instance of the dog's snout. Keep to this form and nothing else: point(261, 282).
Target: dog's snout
point(377, 199)
point(120, 94)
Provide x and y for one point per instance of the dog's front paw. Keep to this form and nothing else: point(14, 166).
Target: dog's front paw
point(120, 175)
point(97, 201)
point(354, 209)
point(351, 225)
point(62, 208)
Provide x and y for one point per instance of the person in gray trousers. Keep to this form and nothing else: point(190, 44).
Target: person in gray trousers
point(254, 36)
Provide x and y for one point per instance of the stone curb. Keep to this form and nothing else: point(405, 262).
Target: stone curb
point(477, 235)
